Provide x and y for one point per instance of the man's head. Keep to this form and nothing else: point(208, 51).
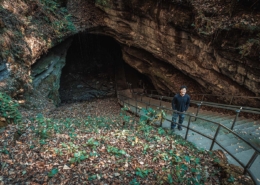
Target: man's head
point(183, 90)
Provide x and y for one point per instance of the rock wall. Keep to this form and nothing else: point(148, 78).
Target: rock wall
point(3, 71)
point(46, 71)
point(211, 48)
point(27, 30)
point(164, 76)
point(162, 31)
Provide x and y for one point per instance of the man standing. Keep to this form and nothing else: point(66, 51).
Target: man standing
point(181, 104)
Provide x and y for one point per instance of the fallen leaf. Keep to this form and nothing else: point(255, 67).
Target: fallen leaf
point(141, 162)
point(65, 167)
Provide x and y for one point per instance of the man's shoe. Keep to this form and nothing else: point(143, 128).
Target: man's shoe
point(179, 128)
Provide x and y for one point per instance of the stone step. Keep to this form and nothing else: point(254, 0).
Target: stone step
point(243, 124)
point(249, 133)
point(238, 147)
point(228, 142)
point(254, 141)
point(225, 136)
point(199, 141)
point(227, 117)
point(256, 133)
point(224, 118)
point(209, 116)
point(246, 124)
point(244, 156)
point(247, 130)
point(218, 120)
point(214, 114)
point(206, 112)
point(227, 123)
point(202, 130)
point(255, 167)
point(207, 131)
point(206, 124)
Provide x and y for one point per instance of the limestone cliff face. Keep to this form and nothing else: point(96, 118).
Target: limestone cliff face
point(165, 31)
point(46, 72)
point(28, 29)
point(211, 46)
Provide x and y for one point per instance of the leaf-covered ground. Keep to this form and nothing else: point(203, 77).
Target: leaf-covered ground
point(98, 143)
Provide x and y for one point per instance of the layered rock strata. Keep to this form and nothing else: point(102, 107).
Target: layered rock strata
point(213, 45)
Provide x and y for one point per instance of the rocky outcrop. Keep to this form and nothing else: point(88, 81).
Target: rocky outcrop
point(164, 31)
point(46, 72)
point(164, 77)
point(3, 71)
point(27, 30)
point(213, 48)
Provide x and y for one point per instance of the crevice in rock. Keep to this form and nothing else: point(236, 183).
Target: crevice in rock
point(3, 72)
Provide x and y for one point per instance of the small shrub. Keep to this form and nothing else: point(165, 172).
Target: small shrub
point(143, 173)
point(78, 157)
point(53, 172)
point(117, 152)
point(9, 109)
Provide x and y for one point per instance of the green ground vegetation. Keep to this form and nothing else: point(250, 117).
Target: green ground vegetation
point(125, 149)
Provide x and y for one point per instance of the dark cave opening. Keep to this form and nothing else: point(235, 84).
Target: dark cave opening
point(94, 65)
point(137, 80)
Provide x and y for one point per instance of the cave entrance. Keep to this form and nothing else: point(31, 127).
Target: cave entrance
point(93, 62)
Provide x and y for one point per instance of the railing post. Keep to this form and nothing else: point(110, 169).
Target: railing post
point(136, 105)
point(186, 136)
point(161, 119)
point(250, 162)
point(198, 109)
point(136, 93)
point(161, 101)
point(234, 122)
point(202, 97)
point(214, 139)
point(130, 88)
point(232, 97)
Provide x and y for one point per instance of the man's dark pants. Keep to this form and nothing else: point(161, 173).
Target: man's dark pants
point(174, 119)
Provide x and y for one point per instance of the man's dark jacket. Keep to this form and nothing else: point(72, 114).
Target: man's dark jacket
point(181, 103)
